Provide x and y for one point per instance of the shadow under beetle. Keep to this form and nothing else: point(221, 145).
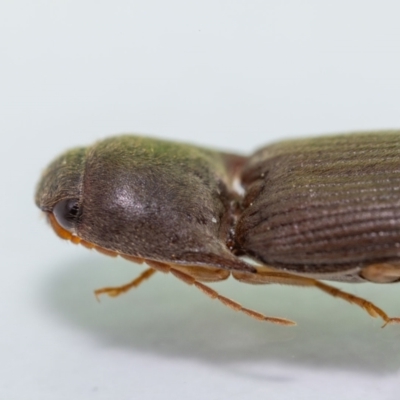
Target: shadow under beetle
point(320, 208)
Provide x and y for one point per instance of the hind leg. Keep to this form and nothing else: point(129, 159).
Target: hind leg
point(381, 273)
point(270, 276)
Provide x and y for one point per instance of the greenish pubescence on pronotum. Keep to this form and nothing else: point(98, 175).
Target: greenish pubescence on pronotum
point(326, 206)
point(149, 198)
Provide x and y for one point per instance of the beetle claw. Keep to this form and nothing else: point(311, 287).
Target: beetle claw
point(391, 321)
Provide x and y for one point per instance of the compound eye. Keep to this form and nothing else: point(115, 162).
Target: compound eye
point(67, 213)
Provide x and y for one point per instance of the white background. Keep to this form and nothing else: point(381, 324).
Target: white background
point(228, 74)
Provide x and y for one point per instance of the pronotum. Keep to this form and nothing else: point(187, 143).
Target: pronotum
point(325, 208)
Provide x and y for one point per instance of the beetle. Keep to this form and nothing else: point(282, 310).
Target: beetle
point(304, 210)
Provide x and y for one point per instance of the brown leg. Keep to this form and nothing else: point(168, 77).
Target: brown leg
point(232, 304)
point(290, 279)
point(381, 273)
point(116, 291)
point(203, 274)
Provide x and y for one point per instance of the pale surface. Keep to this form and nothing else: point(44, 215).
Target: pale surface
point(233, 75)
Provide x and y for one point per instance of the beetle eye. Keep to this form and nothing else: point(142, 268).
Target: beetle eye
point(67, 213)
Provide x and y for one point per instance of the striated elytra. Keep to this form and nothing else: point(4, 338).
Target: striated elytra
point(319, 208)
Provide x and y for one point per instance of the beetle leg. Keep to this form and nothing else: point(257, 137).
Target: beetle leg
point(285, 278)
point(116, 291)
point(381, 273)
point(203, 274)
point(227, 302)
